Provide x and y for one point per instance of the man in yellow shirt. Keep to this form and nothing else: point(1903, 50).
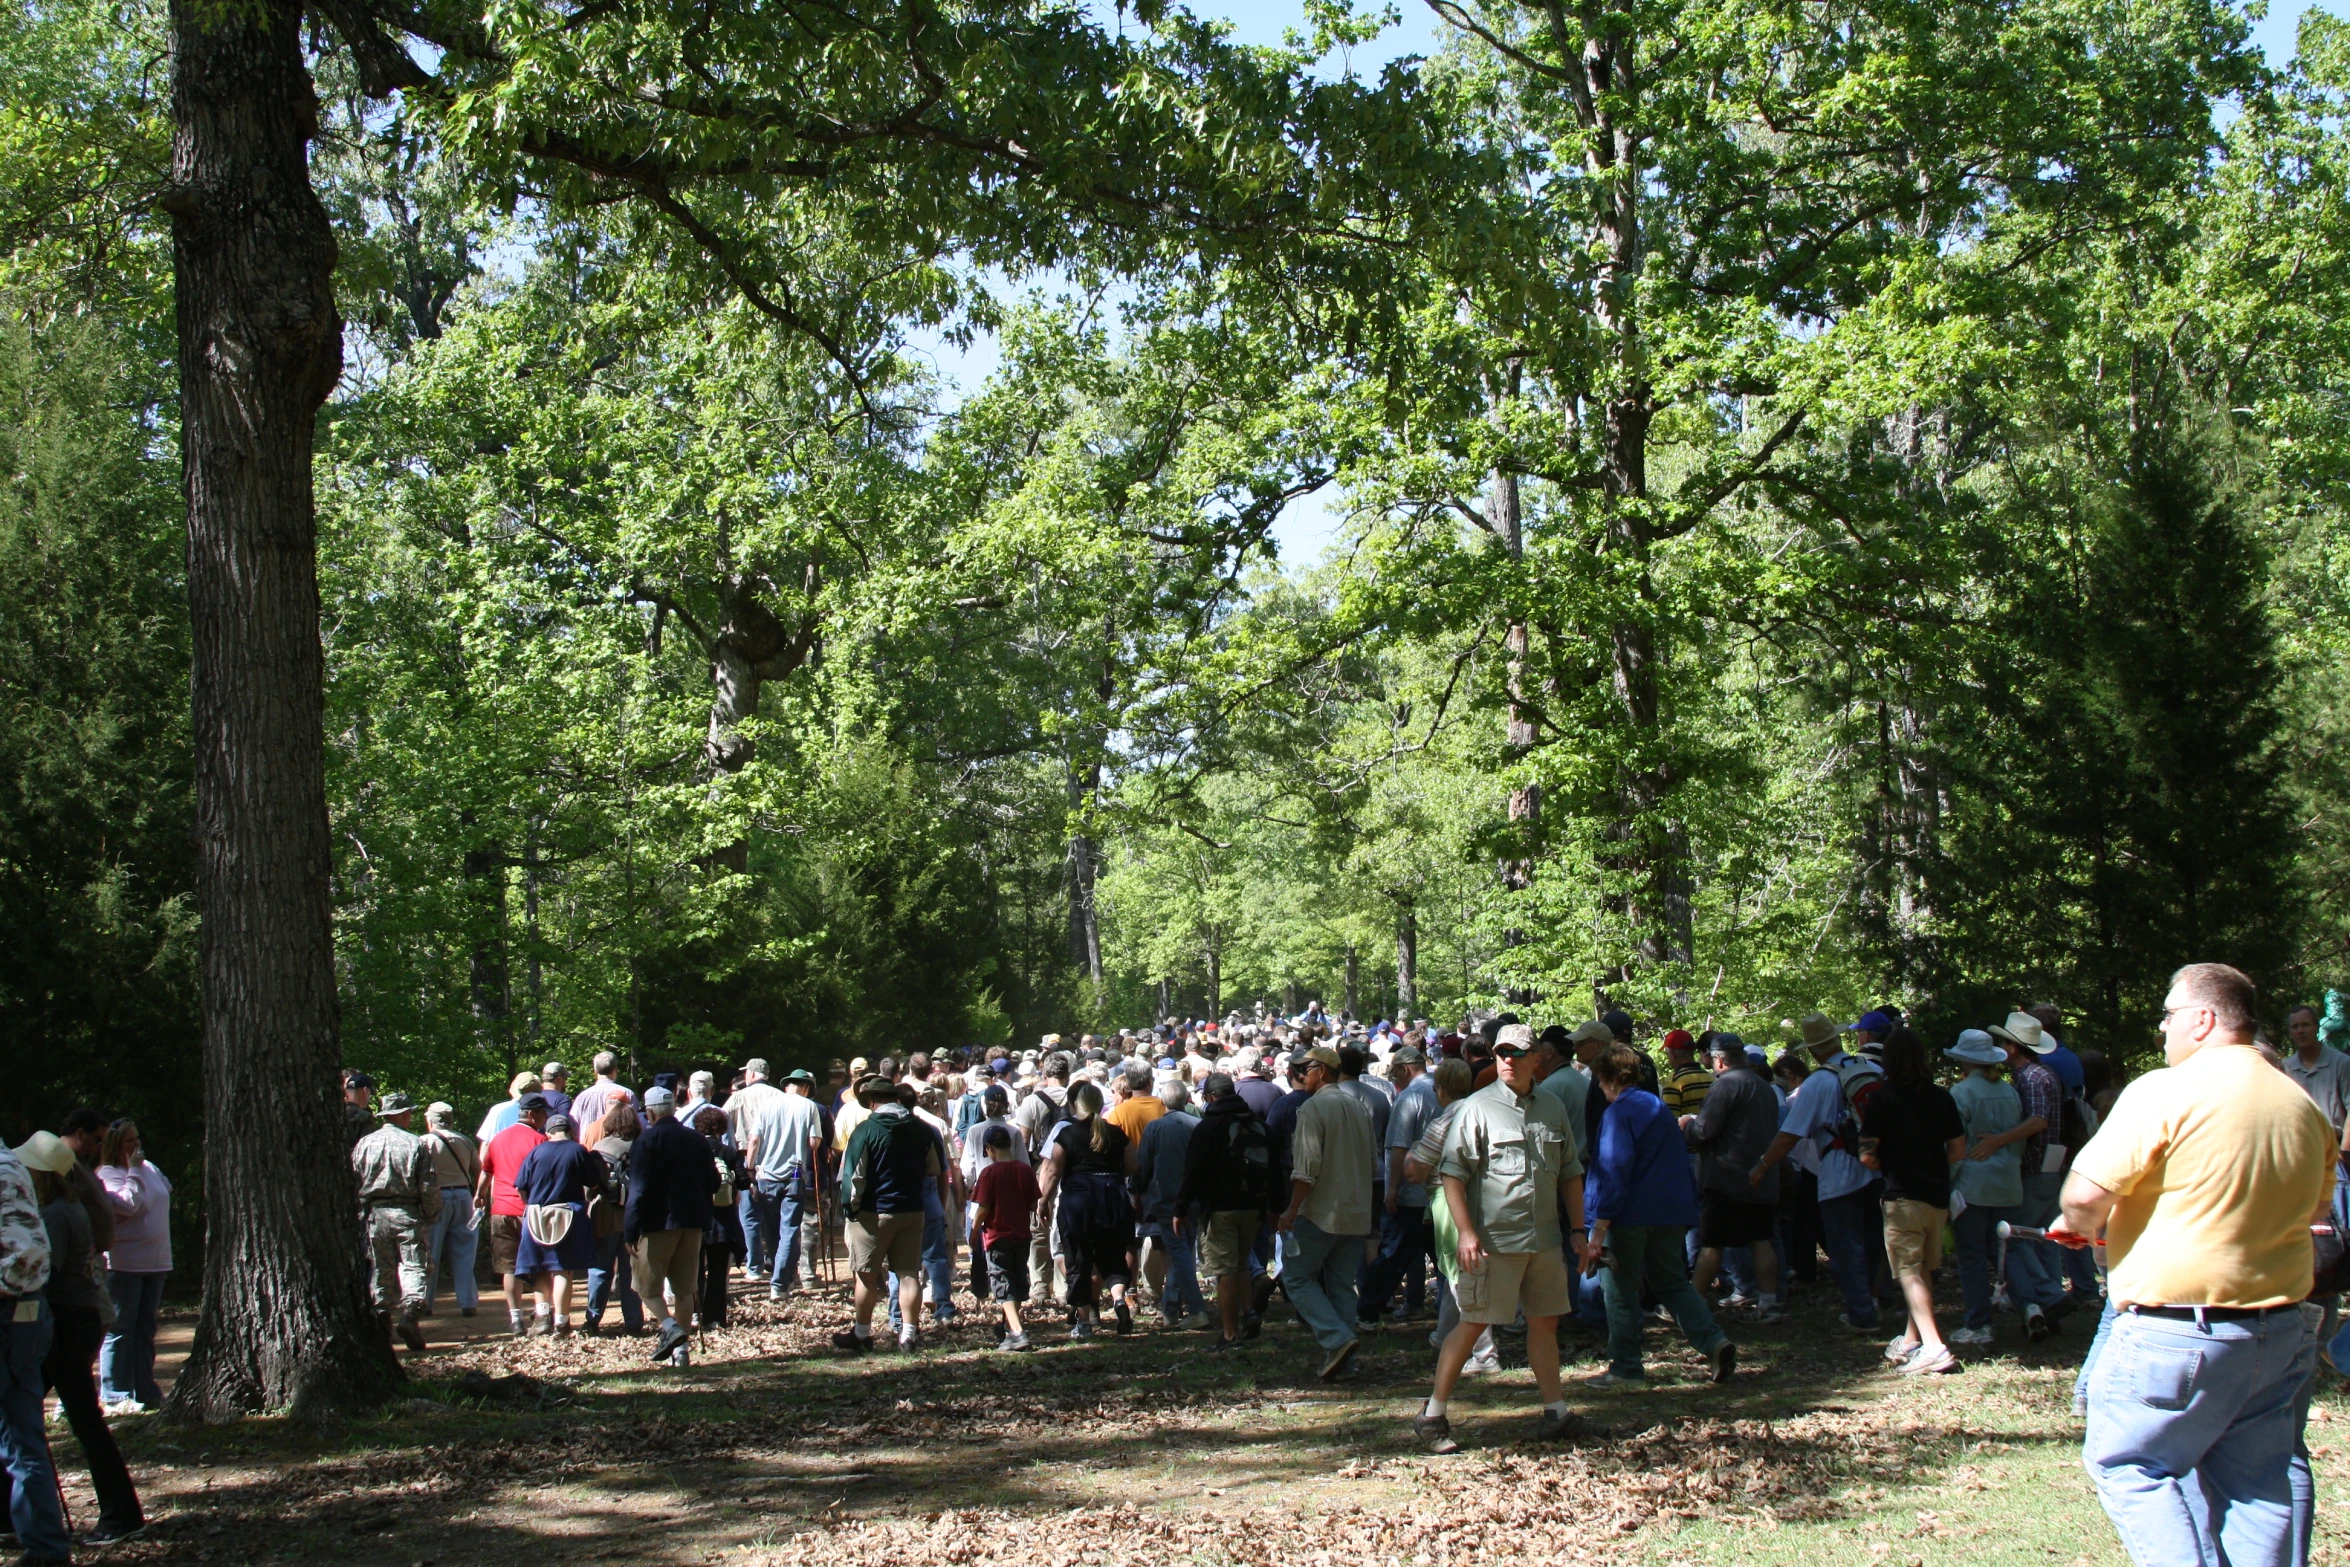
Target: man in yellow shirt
point(2205, 1180)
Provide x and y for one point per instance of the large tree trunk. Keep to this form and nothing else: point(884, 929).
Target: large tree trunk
point(749, 648)
point(1407, 963)
point(1085, 923)
point(1660, 907)
point(1505, 518)
point(491, 983)
point(286, 1321)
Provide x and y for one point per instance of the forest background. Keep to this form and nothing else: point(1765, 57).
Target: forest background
point(1845, 504)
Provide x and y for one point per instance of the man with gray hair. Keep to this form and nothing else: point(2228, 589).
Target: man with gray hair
point(456, 1165)
point(671, 1179)
point(701, 1088)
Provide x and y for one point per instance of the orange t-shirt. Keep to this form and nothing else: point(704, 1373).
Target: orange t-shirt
point(1135, 1114)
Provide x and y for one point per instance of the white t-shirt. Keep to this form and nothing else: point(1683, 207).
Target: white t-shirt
point(975, 1149)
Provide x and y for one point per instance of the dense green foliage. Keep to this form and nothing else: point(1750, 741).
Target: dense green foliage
point(1841, 506)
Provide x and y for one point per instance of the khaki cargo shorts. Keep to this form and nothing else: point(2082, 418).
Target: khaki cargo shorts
point(1534, 1280)
point(1226, 1241)
point(885, 1243)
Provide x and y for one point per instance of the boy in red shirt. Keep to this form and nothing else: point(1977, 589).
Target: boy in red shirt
point(1006, 1198)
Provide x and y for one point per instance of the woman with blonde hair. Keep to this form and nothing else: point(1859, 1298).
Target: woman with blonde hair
point(505, 1115)
point(136, 1265)
point(1088, 1161)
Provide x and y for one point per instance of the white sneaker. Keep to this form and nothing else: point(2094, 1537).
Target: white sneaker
point(1929, 1362)
point(1199, 1320)
point(1081, 1329)
point(1999, 1300)
point(1970, 1335)
point(1482, 1365)
point(1900, 1349)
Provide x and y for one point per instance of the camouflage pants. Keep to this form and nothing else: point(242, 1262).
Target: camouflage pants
point(396, 1239)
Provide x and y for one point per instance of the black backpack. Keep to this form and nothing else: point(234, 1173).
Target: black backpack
point(1244, 1178)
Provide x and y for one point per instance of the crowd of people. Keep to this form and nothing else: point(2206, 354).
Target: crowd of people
point(1492, 1180)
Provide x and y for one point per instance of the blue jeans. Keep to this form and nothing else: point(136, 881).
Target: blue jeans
point(454, 1234)
point(2089, 1361)
point(2174, 1402)
point(2314, 1317)
point(126, 1361)
point(613, 1274)
point(1852, 1227)
point(1589, 1296)
point(772, 1211)
point(1319, 1270)
point(1738, 1264)
point(34, 1511)
point(937, 1264)
point(2079, 1264)
point(1399, 1264)
point(1182, 1295)
point(1654, 1258)
point(2034, 1275)
point(1977, 1230)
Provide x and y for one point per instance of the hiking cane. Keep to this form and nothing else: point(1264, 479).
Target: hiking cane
point(2033, 1232)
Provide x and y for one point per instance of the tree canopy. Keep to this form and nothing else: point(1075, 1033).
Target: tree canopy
point(1837, 504)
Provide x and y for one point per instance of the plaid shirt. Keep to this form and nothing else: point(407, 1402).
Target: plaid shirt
point(2044, 1097)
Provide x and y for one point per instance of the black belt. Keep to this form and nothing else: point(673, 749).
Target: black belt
point(2209, 1313)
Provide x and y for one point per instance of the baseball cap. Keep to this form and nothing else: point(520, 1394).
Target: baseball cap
point(1874, 1022)
point(1323, 1055)
point(532, 1102)
point(1513, 1039)
point(659, 1096)
point(1407, 1055)
point(1680, 1039)
point(1591, 1031)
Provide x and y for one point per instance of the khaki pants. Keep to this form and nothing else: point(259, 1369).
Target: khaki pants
point(674, 1258)
point(395, 1244)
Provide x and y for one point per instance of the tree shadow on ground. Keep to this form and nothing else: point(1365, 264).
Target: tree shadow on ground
point(651, 1465)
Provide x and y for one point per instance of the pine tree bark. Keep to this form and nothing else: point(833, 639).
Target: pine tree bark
point(286, 1322)
point(1407, 963)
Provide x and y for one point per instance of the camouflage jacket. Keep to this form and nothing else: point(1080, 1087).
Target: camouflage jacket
point(394, 1167)
point(24, 1239)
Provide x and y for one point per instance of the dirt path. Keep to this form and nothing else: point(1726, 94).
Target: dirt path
point(774, 1449)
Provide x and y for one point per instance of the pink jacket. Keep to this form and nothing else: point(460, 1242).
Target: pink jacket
point(141, 1198)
